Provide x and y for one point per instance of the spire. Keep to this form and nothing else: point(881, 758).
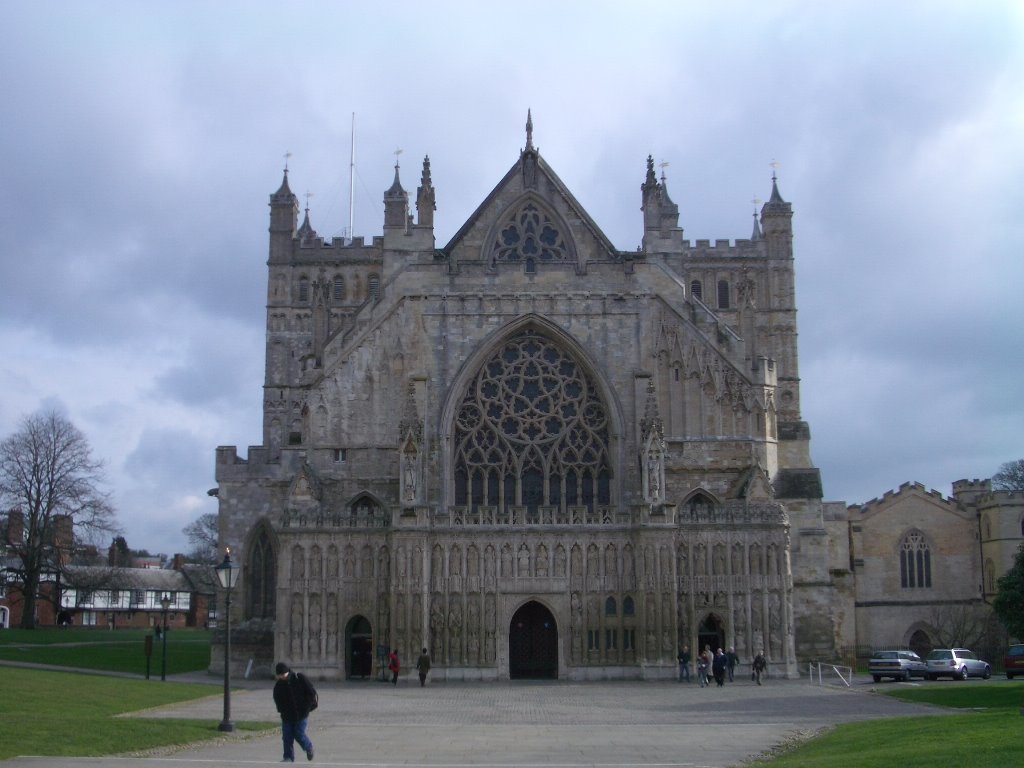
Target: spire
point(651, 179)
point(284, 192)
point(425, 204)
point(775, 202)
point(396, 185)
point(306, 231)
point(756, 234)
point(651, 422)
point(529, 131)
point(396, 202)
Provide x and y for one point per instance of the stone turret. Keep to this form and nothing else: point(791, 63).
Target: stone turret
point(284, 219)
point(662, 232)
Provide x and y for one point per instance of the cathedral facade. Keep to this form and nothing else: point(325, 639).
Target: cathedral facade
point(531, 452)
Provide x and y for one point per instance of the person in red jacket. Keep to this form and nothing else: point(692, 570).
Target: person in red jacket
point(394, 665)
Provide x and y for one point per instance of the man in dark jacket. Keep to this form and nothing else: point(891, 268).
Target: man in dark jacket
point(293, 695)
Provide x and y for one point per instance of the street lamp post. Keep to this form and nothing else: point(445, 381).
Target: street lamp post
point(165, 603)
point(227, 575)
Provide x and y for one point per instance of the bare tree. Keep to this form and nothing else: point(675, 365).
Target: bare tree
point(202, 537)
point(1010, 476)
point(964, 626)
point(49, 479)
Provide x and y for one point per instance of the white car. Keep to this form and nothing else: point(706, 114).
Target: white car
point(957, 663)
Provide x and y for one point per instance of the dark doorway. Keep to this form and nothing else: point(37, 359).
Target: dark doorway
point(359, 647)
point(920, 643)
point(711, 632)
point(533, 644)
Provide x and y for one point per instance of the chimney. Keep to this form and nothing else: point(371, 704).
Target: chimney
point(15, 527)
point(179, 561)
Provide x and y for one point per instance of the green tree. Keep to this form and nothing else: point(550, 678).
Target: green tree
point(49, 478)
point(1010, 476)
point(1009, 600)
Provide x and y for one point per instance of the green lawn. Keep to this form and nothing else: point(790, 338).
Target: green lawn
point(188, 650)
point(988, 736)
point(69, 714)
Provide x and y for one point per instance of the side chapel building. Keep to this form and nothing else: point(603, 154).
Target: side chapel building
point(531, 452)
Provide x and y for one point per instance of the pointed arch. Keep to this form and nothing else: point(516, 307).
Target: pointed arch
point(529, 422)
point(261, 572)
point(529, 232)
point(915, 557)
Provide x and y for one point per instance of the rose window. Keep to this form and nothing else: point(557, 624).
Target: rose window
point(531, 431)
point(529, 236)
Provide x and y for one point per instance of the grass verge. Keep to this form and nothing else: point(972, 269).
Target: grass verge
point(188, 650)
point(68, 714)
point(988, 736)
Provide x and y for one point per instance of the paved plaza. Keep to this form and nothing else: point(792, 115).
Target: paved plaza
point(531, 723)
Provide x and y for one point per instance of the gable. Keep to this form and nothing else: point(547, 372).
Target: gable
point(529, 212)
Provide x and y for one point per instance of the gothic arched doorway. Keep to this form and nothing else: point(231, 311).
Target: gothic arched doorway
point(711, 632)
point(359, 647)
point(920, 643)
point(533, 643)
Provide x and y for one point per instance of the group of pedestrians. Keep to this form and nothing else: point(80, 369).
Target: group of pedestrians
point(718, 665)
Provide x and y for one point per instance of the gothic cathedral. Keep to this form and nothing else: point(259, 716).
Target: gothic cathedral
point(530, 452)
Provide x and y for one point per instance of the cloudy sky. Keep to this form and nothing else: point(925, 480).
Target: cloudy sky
point(139, 143)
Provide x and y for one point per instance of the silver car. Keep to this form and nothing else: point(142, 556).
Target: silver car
point(899, 665)
point(957, 663)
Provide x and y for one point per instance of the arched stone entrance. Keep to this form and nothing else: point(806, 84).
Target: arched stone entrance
point(711, 632)
point(920, 643)
point(359, 647)
point(533, 643)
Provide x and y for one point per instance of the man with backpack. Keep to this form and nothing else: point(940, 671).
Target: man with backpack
point(295, 697)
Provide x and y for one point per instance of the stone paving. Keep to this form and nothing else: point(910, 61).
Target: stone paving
point(527, 724)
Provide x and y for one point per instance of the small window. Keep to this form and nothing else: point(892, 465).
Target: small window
point(629, 639)
point(611, 639)
point(696, 289)
point(593, 639)
point(374, 289)
point(338, 288)
point(610, 607)
point(294, 438)
point(303, 289)
point(628, 607)
point(339, 455)
point(723, 294)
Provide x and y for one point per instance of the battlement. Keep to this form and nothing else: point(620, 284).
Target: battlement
point(975, 486)
point(723, 247)
point(888, 496)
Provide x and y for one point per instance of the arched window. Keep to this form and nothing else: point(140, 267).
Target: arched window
point(915, 562)
point(260, 573)
point(338, 288)
point(628, 606)
point(610, 609)
point(532, 426)
point(990, 577)
point(374, 287)
point(303, 289)
point(529, 235)
point(723, 294)
point(696, 289)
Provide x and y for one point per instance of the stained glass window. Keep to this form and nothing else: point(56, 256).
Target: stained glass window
point(531, 431)
point(529, 236)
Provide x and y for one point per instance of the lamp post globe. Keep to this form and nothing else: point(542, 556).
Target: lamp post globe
point(227, 575)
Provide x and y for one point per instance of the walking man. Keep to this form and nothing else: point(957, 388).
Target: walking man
point(423, 666)
point(731, 660)
point(295, 698)
point(760, 665)
point(684, 663)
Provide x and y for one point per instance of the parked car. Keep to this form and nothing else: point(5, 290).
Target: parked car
point(1013, 660)
point(957, 663)
point(899, 665)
